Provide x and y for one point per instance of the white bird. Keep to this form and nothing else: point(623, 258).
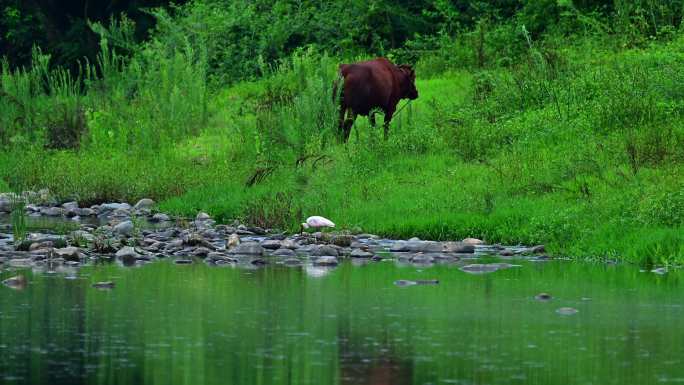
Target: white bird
point(316, 222)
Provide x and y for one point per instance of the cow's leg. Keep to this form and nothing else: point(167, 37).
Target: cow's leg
point(341, 122)
point(348, 123)
point(388, 118)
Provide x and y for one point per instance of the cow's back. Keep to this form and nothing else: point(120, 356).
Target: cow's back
point(368, 85)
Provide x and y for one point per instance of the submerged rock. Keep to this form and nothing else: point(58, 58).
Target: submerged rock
point(459, 247)
point(16, 283)
point(359, 253)
point(247, 248)
point(478, 268)
point(659, 271)
point(69, 253)
point(405, 282)
point(567, 311)
point(543, 297)
point(324, 250)
point(326, 261)
point(106, 285)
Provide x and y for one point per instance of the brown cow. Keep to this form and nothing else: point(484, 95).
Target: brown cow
point(373, 84)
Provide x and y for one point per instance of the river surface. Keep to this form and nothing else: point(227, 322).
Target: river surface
point(170, 324)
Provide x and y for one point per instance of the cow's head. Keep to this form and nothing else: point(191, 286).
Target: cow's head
point(408, 83)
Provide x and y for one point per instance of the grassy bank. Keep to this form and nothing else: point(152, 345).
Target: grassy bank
point(578, 147)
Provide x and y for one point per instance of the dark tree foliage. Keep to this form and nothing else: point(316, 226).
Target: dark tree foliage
point(60, 27)
point(239, 31)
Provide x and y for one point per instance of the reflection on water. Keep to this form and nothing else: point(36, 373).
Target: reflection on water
point(168, 324)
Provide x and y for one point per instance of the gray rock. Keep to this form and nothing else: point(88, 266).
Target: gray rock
point(106, 285)
point(202, 217)
point(404, 282)
point(113, 206)
point(160, 217)
point(359, 253)
point(127, 252)
point(342, 240)
point(324, 250)
point(52, 211)
point(459, 247)
point(659, 271)
point(415, 245)
point(289, 244)
point(567, 311)
point(86, 212)
point(120, 213)
point(270, 244)
point(5, 204)
point(399, 246)
point(69, 253)
point(538, 249)
point(543, 297)
point(506, 253)
point(125, 228)
point(247, 248)
point(283, 253)
point(422, 258)
point(473, 241)
point(325, 261)
point(486, 268)
point(17, 283)
point(292, 262)
point(144, 203)
point(70, 206)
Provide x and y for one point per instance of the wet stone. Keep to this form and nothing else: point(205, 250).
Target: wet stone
point(247, 248)
point(567, 311)
point(283, 253)
point(326, 261)
point(125, 228)
point(105, 285)
point(324, 250)
point(359, 253)
point(459, 247)
point(270, 244)
point(543, 297)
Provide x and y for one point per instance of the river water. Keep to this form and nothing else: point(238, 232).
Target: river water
point(170, 324)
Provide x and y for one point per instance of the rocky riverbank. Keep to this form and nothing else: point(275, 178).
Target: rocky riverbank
point(136, 234)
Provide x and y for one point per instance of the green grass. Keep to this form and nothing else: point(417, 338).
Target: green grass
point(577, 148)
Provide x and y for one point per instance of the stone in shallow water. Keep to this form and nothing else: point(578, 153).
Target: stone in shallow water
point(324, 250)
point(567, 311)
point(69, 253)
point(659, 271)
point(478, 268)
point(247, 248)
point(405, 282)
point(325, 261)
point(270, 244)
point(283, 253)
point(359, 253)
point(16, 283)
point(105, 285)
point(543, 297)
point(183, 261)
point(459, 247)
